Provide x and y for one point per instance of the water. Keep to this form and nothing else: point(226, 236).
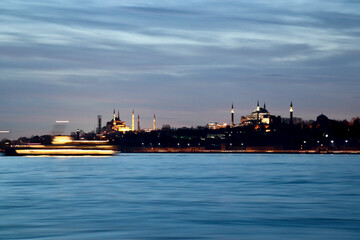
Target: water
point(181, 196)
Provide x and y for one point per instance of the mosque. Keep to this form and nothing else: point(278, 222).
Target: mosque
point(117, 125)
point(260, 116)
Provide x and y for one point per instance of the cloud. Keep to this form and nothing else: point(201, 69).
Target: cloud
point(178, 57)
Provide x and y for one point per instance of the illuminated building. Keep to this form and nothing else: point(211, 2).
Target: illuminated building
point(216, 125)
point(116, 124)
point(213, 125)
point(259, 116)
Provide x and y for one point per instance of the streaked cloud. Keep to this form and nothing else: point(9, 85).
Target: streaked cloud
point(177, 58)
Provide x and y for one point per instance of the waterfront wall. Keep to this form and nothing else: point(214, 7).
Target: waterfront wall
point(248, 150)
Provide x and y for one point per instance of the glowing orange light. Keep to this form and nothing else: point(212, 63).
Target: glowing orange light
point(65, 152)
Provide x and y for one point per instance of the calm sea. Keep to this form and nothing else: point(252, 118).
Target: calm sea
point(181, 196)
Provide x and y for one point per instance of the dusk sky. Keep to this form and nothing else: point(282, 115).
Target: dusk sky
point(185, 61)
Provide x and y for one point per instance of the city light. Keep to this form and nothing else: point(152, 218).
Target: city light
point(4, 131)
point(62, 121)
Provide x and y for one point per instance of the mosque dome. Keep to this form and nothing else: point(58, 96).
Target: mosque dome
point(261, 110)
point(322, 118)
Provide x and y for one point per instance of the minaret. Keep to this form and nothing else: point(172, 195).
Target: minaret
point(99, 124)
point(114, 118)
point(232, 115)
point(132, 122)
point(154, 123)
point(257, 112)
point(138, 122)
point(264, 105)
point(291, 114)
point(118, 114)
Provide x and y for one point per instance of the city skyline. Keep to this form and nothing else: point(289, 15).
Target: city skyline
point(233, 119)
point(185, 62)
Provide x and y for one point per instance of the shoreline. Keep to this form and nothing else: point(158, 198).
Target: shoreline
point(194, 150)
point(219, 151)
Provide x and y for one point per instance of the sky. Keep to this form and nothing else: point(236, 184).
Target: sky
point(185, 61)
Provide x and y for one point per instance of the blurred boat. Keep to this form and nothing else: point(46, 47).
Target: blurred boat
point(63, 146)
